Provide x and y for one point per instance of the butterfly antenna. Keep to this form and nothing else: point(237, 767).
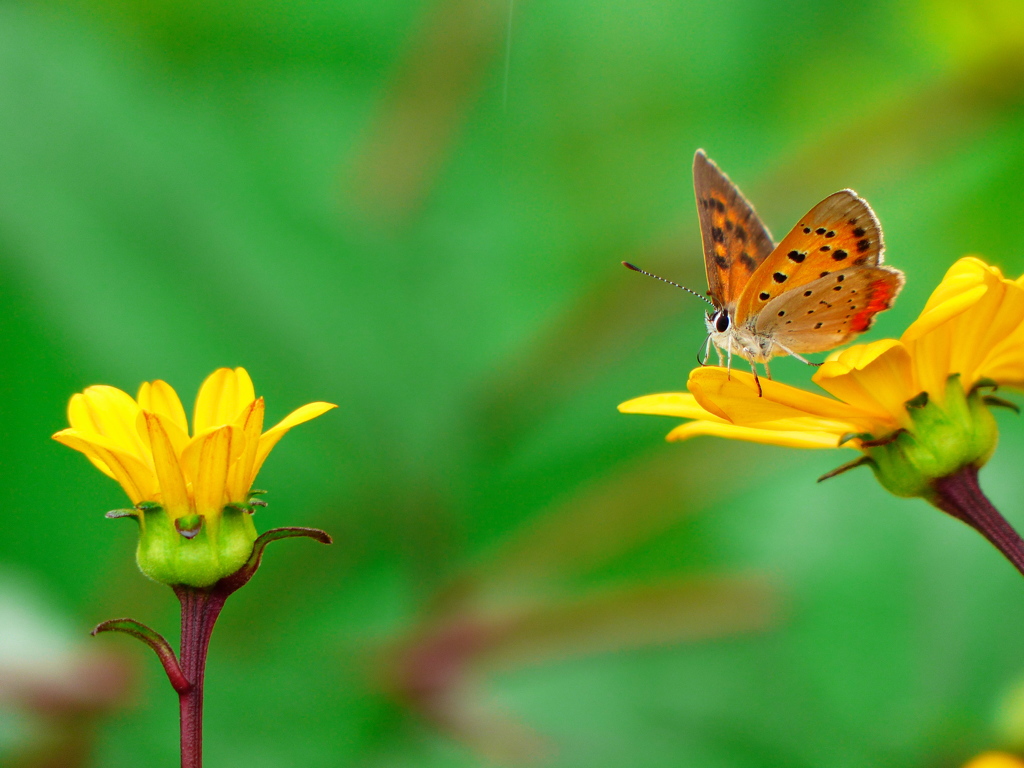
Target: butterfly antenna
point(635, 268)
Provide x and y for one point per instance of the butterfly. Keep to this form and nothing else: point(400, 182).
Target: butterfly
point(818, 288)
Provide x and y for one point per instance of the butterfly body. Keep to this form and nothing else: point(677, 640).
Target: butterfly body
point(744, 341)
point(821, 286)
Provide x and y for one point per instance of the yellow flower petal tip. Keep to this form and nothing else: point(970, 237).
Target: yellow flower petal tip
point(915, 406)
point(191, 493)
point(995, 760)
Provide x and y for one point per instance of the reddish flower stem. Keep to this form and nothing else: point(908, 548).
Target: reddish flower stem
point(199, 611)
point(960, 495)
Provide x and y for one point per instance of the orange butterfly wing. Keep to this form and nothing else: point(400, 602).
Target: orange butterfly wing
point(838, 233)
point(831, 310)
point(736, 243)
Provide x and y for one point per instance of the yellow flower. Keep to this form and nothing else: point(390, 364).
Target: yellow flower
point(995, 760)
point(914, 401)
point(191, 494)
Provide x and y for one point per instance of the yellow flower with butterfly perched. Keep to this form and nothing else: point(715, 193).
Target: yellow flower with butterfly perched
point(818, 288)
point(191, 494)
point(917, 407)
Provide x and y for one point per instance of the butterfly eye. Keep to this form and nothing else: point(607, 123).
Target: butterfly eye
point(722, 322)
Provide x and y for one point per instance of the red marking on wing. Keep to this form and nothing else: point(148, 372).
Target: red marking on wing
point(881, 296)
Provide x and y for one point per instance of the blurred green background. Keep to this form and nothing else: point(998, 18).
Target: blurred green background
point(417, 210)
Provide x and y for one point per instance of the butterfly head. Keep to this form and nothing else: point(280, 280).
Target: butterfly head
point(719, 321)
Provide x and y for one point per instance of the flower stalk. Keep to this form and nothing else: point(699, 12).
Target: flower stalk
point(200, 609)
point(960, 495)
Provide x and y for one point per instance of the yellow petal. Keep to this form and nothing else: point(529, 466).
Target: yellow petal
point(160, 397)
point(680, 404)
point(1005, 362)
point(963, 275)
point(876, 377)
point(207, 461)
point(179, 438)
point(269, 438)
point(222, 397)
point(96, 462)
point(995, 760)
point(136, 478)
point(242, 475)
point(735, 398)
point(967, 328)
point(109, 413)
point(245, 389)
point(756, 435)
point(1007, 367)
point(983, 332)
point(173, 491)
point(943, 312)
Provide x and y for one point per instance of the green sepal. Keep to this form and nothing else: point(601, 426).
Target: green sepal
point(998, 402)
point(189, 525)
point(883, 440)
point(920, 400)
point(985, 383)
point(117, 514)
point(848, 436)
point(846, 468)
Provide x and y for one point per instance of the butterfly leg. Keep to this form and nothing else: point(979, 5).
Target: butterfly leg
point(728, 367)
point(753, 370)
point(767, 371)
point(791, 353)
